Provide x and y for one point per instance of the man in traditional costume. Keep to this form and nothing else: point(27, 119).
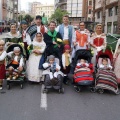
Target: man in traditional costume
point(49, 38)
point(67, 31)
point(36, 28)
point(82, 39)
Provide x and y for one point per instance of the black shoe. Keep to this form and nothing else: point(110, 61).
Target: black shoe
point(1, 87)
point(65, 80)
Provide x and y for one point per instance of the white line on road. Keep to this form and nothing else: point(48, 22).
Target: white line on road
point(43, 103)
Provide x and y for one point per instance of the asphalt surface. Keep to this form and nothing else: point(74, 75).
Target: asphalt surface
point(24, 104)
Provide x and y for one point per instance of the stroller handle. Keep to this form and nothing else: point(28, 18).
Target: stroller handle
point(113, 37)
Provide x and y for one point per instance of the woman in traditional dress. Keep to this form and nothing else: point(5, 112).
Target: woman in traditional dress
point(33, 73)
point(117, 61)
point(98, 41)
point(13, 36)
point(2, 62)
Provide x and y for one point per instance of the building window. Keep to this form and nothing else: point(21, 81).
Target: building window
point(116, 10)
point(89, 19)
point(90, 2)
point(110, 12)
point(79, 5)
point(98, 14)
point(90, 11)
point(109, 25)
point(115, 27)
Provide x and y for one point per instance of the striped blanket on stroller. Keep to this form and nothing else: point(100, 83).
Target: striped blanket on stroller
point(106, 79)
point(82, 74)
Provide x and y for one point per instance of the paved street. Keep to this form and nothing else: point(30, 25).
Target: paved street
point(25, 104)
point(31, 104)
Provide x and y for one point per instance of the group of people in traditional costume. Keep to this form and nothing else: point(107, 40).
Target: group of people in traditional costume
point(45, 42)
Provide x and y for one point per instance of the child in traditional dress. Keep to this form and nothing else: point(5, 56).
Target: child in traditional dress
point(82, 64)
point(53, 69)
point(2, 62)
point(105, 64)
point(15, 63)
point(66, 60)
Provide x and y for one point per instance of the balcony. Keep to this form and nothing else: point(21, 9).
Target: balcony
point(61, 2)
point(4, 5)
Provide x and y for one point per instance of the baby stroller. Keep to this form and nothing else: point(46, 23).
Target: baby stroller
point(55, 83)
point(82, 77)
point(105, 79)
point(21, 78)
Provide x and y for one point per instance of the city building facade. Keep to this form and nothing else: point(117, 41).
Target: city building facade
point(111, 13)
point(79, 10)
point(62, 4)
point(9, 9)
point(89, 10)
point(40, 9)
point(47, 10)
point(34, 5)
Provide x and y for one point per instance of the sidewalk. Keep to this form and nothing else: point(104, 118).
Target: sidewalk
point(2, 36)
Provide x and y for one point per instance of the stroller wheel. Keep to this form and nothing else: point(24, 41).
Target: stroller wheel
point(92, 89)
point(100, 91)
point(8, 86)
point(21, 86)
point(61, 90)
point(77, 89)
point(118, 92)
point(45, 90)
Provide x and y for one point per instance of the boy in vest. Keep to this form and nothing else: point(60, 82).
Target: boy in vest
point(67, 31)
point(15, 63)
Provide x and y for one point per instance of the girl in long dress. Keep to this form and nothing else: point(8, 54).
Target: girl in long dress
point(117, 61)
point(98, 41)
point(33, 73)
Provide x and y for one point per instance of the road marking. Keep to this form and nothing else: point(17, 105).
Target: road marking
point(43, 103)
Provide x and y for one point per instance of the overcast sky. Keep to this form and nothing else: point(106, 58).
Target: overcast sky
point(24, 3)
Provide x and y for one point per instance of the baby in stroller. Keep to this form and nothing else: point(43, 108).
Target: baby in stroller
point(105, 64)
point(15, 63)
point(82, 64)
point(53, 75)
point(83, 74)
point(105, 77)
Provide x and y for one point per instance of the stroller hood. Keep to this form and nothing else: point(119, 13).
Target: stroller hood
point(80, 54)
point(11, 47)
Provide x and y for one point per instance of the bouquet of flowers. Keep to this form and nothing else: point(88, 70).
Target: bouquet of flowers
point(58, 41)
point(92, 52)
point(30, 48)
point(21, 44)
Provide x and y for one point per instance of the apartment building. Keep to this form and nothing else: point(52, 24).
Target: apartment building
point(110, 14)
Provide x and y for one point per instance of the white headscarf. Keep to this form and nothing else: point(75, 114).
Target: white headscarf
point(35, 39)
